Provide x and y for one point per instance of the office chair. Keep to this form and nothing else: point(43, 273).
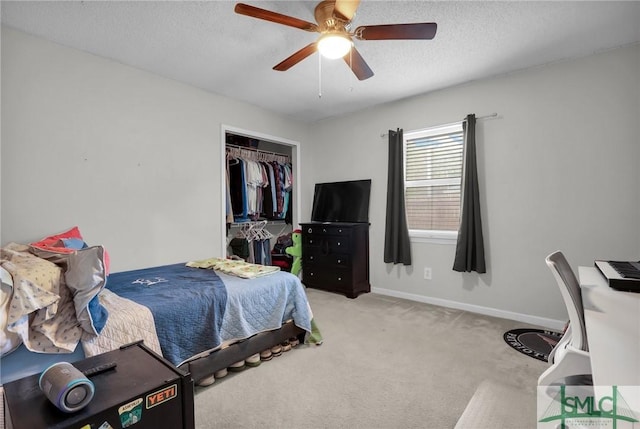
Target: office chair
point(570, 357)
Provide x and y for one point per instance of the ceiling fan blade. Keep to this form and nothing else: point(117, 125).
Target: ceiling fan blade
point(296, 57)
point(358, 65)
point(346, 9)
point(422, 31)
point(267, 15)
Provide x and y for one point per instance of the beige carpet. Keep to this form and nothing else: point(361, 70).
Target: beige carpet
point(497, 405)
point(385, 363)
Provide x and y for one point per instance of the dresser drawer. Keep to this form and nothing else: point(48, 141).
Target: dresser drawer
point(325, 244)
point(331, 260)
point(334, 278)
point(326, 230)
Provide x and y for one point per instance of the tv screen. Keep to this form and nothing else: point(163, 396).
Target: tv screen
point(341, 201)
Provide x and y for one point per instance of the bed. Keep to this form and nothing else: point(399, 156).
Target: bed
point(196, 316)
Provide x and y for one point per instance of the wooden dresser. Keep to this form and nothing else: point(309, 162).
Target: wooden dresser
point(335, 257)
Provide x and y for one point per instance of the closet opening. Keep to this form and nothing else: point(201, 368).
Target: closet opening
point(261, 202)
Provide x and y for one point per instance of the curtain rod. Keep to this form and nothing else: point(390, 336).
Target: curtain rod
point(492, 115)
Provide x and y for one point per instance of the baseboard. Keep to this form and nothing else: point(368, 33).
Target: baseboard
point(557, 325)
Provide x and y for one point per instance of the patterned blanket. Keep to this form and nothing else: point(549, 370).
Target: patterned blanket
point(40, 309)
point(234, 267)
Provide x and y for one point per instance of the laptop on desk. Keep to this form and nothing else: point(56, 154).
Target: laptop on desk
point(621, 275)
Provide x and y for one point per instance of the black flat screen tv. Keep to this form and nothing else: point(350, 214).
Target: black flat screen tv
point(341, 201)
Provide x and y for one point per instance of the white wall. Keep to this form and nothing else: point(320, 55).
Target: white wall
point(133, 159)
point(559, 169)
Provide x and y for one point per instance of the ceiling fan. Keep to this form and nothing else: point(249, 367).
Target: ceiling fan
point(333, 19)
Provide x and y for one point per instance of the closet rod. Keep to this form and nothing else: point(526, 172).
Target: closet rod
point(492, 115)
point(256, 150)
point(234, 150)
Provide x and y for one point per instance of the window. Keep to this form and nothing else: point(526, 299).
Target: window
point(433, 175)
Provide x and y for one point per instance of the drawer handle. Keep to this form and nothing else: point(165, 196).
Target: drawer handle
point(338, 243)
point(339, 230)
point(324, 230)
point(339, 261)
point(339, 279)
point(311, 274)
point(311, 258)
point(310, 230)
point(310, 241)
point(325, 247)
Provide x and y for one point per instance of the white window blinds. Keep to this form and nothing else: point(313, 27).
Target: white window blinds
point(433, 172)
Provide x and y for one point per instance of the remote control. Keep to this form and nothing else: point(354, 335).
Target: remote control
point(99, 369)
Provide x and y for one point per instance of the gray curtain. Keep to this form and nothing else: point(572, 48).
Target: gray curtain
point(470, 246)
point(397, 248)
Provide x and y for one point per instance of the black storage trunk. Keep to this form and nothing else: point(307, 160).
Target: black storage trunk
point(143, 391)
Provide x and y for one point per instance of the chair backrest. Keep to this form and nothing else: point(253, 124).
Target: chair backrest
point(572, 296)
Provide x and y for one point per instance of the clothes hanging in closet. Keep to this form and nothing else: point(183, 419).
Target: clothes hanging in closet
point(258, 189)
point(253, 243)
point(237, 189)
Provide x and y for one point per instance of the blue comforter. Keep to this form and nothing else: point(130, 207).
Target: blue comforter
point(262, 304)
point(188, 305)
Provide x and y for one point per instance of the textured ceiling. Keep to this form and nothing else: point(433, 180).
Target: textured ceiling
point(207, 45)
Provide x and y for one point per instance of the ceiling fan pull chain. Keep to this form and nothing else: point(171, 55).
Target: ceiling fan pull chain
point(353, 76)
point(319, 76)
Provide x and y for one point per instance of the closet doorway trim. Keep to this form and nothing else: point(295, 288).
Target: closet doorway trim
point(295, 162)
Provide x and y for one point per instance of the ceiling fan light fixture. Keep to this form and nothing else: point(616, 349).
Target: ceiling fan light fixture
point(334, 45)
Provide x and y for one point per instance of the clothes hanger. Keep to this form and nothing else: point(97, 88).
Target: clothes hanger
point(231, 159)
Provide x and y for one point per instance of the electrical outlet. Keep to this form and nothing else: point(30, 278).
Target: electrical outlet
point(427, 273)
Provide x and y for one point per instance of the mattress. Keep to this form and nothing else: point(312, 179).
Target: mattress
point(194, 310)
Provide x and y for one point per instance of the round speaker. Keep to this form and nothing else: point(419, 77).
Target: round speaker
point(66, 387)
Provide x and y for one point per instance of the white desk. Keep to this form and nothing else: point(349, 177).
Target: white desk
point(613, 330)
